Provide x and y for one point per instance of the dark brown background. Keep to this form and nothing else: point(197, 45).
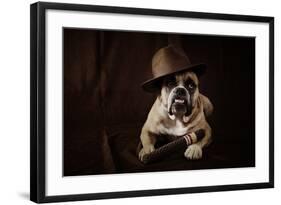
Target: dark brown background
point(105, 107)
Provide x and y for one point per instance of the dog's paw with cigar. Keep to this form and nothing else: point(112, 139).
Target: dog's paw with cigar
point(179, 108)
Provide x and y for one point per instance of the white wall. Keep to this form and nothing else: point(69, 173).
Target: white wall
point(14, 100)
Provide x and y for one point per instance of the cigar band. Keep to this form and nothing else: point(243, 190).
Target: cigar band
point(188, 139)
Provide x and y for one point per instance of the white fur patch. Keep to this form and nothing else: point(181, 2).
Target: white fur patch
point(193, 152)
point(178, 130)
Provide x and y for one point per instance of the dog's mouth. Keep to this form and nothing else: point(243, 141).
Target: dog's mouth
point(179, 101)
point(180, 106)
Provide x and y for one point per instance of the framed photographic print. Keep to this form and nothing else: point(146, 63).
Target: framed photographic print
point(129, 102)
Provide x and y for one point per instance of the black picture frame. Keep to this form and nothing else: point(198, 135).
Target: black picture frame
point(38, 101)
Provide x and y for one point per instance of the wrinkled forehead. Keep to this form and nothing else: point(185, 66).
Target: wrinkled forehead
point(187, 75)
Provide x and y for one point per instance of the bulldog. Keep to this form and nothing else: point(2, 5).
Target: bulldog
point(179, 107)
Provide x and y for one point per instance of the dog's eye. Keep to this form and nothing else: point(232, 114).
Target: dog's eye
point(171, 82)
point(191, 86)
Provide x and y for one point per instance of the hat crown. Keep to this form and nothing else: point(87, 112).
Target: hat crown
point(168, 60)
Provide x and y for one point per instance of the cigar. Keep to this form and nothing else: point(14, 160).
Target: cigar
point(178, 144)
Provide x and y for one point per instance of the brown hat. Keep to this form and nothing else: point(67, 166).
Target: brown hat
point(168, 61)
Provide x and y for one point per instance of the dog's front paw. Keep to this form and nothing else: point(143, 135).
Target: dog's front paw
point(145, 150)
point(194, 151)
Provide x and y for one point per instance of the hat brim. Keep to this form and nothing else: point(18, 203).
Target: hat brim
point(152, 85)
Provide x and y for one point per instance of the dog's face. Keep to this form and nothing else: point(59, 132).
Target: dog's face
point(179, 94)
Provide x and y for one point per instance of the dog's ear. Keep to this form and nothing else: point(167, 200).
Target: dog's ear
point(207, 105)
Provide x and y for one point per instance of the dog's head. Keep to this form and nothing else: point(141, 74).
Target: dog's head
point(179, 94)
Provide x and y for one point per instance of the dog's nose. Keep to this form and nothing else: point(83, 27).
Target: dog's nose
point(180, 91)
